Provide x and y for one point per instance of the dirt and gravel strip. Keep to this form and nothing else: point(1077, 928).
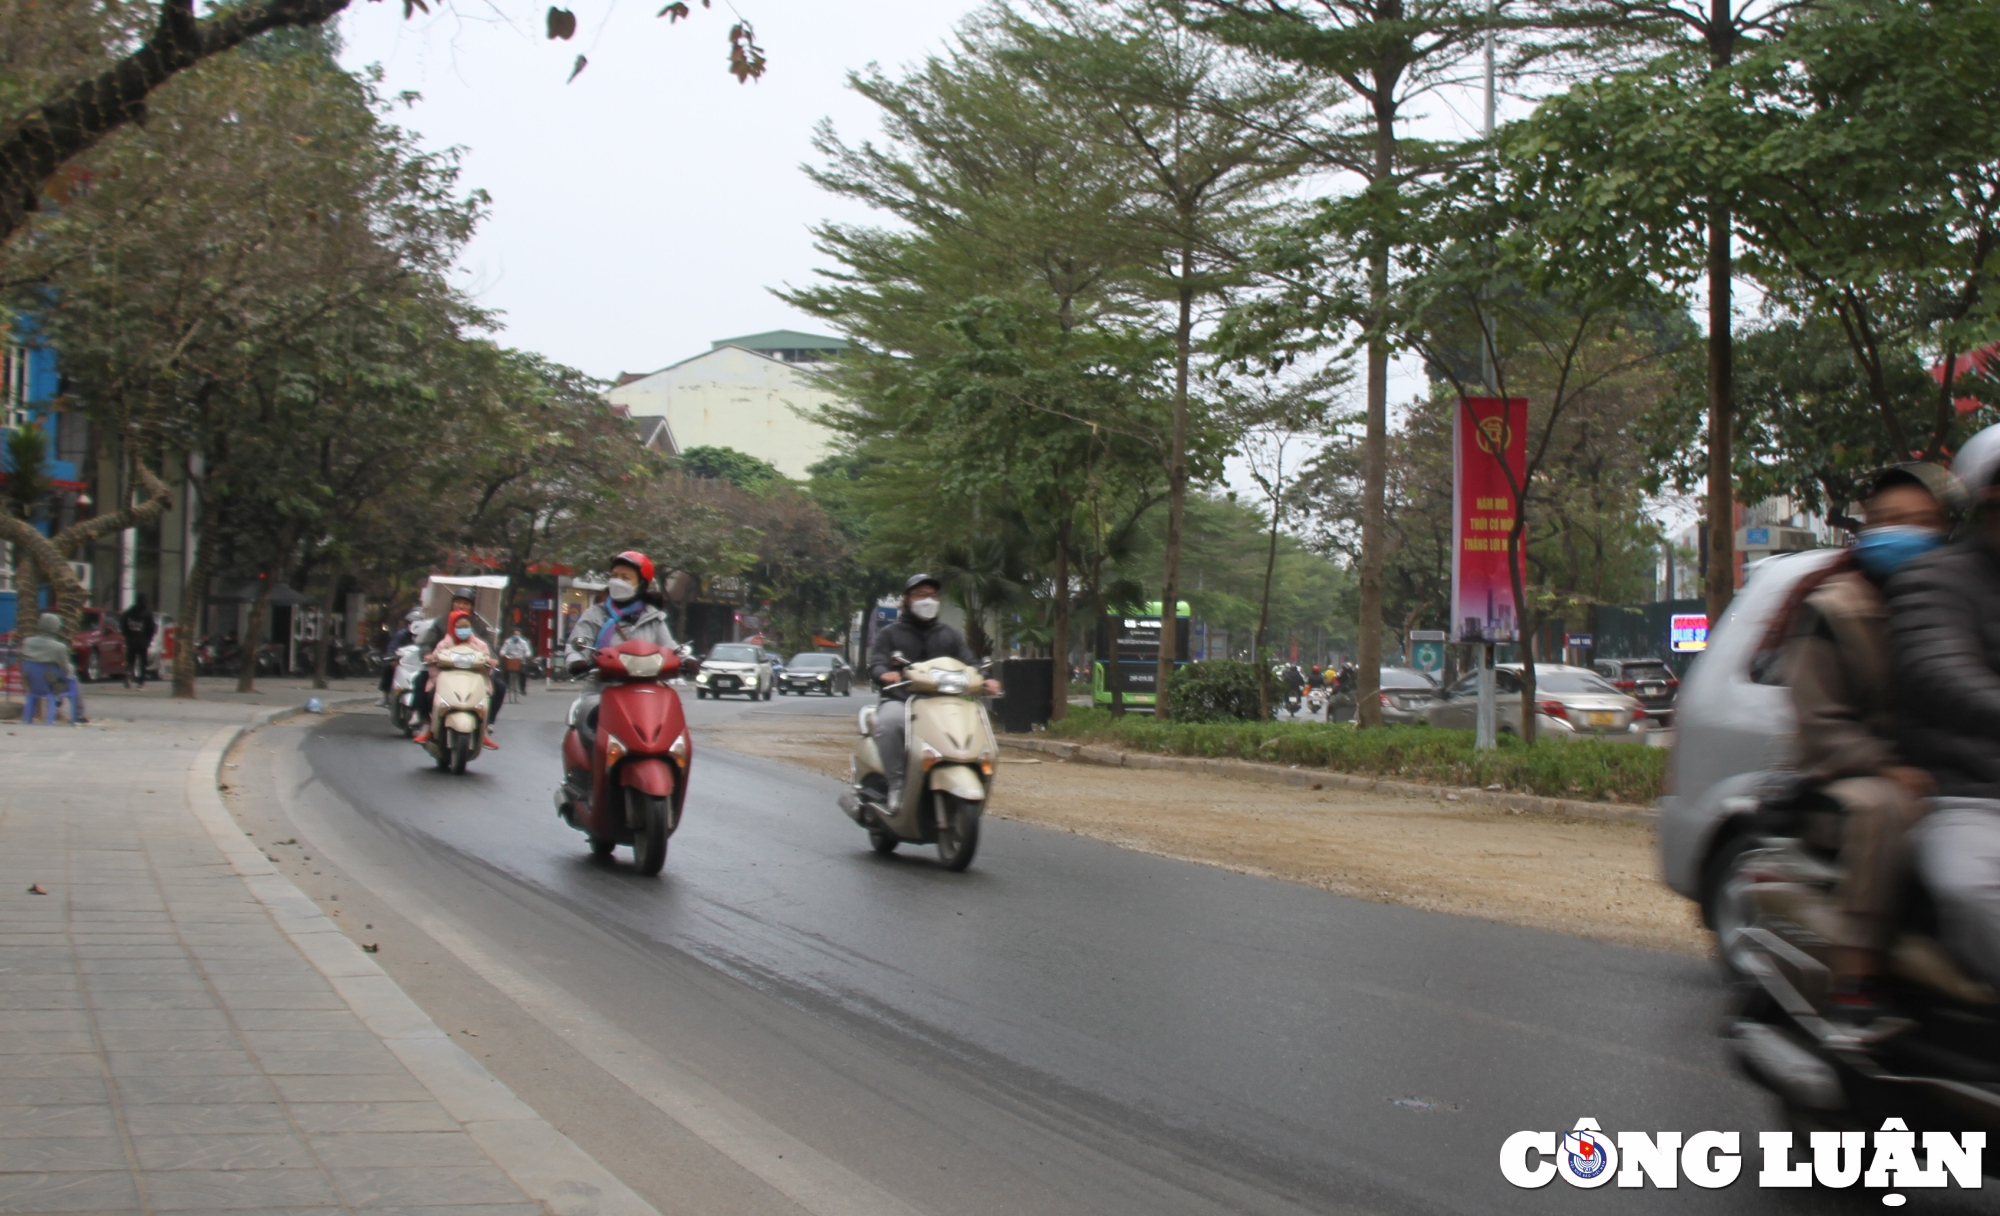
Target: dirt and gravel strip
point(1580, 876)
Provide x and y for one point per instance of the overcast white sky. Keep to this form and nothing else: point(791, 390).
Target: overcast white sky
point(641, 212)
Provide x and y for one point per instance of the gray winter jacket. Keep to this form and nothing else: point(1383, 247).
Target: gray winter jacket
point(651, 626)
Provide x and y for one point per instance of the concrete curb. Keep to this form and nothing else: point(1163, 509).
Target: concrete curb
point(543, 1162)
point(1319, 778)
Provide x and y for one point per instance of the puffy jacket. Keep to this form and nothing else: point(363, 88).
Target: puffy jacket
point(1837, 664)
point(1944, 619)
point(650, 626)
point(916, 641)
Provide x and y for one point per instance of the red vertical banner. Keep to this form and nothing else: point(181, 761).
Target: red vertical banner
point(1485, 432)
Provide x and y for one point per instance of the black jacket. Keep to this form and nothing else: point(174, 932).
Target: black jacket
point(916, 641)
point(1944, 621)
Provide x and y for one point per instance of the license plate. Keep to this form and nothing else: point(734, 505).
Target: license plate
point(1602, 718)
point(726, 681)
point(1652, 690)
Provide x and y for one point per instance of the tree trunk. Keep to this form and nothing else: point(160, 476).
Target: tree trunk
point(187, 630)
point(1721, 423)
point(1375, 448)
point(69, 124)
point(1374, 468)
point(1721, 570)
point(325, 641)
point(1264, 621)
point(260, 610)
point(1059, 623)
point(1177, 479)
point(253, 636)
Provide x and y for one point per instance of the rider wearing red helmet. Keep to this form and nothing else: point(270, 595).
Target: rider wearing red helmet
point(631, 609)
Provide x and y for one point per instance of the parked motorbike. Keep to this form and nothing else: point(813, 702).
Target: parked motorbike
point(1934, 1063)
point(625, 771)
point(403, 688)
point(950, 752)
point(460, 689)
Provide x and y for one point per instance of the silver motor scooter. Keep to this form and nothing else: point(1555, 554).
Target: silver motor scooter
point(950, 752)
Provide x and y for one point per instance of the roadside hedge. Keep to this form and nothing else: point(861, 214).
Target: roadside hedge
point(1555, 768)
point(1216, 690)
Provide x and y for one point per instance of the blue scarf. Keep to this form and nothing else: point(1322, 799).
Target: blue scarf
point(630, 612)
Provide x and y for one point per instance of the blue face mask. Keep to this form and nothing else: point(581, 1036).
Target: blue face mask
point(463, 632)
point(1883, 551)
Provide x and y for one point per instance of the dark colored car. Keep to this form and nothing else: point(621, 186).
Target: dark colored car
point(815, 672)
point(1649, 681)
point(99, 645)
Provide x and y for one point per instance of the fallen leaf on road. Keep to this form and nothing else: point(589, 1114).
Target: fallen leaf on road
point(370, 948)
point(37, 889)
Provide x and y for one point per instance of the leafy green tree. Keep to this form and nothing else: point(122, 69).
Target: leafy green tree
point(1389, 55)
point(77, 73)
point(739, 469)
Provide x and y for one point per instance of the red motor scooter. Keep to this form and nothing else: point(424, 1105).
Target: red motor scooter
point(625, 780)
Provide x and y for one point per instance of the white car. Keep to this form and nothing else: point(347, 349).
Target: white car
point(1571, 703)
point(735, 669)
point(1737, 735)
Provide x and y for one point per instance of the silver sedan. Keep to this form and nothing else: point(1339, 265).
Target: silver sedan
point(1570, 702)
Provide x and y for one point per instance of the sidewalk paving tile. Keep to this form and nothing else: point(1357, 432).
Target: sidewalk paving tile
point(165, 1047)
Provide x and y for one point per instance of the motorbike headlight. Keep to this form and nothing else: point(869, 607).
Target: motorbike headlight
point(642, 666)
point(952, 683)
point(462, 661)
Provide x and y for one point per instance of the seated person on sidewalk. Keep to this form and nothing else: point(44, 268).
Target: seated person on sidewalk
point(1945, 631)
point(49, 670)
point(459, 633)
point(1836, 661)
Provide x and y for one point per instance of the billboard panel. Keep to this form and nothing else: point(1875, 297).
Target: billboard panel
point(1485, 431)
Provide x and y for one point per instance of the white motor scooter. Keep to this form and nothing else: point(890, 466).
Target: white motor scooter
point(403, 689)
point(949, 756)
point(460, 690)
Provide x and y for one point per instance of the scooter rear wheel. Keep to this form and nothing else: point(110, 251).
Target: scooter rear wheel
point(649, 830)
point(958, 831)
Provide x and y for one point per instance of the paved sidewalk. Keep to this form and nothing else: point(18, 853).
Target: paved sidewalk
point(182, 1030)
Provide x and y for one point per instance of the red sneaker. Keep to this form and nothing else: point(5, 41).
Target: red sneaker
point(490, 744)
point(422, 736)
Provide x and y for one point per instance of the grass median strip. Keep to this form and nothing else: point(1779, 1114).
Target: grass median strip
point(1555, 768)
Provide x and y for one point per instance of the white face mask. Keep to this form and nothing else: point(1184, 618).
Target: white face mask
point(621, 590)
point(924, 610)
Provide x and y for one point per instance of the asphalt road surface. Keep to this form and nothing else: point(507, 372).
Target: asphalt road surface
point(1066, 1028)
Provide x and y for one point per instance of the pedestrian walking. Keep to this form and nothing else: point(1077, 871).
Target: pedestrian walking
point(514, 655)
point(139, 626)
point(49, 671)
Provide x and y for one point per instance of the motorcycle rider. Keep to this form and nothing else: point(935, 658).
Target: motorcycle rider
point(432, 634)
point(459, 632)
point(630, 610)
point(914, 636)
point(1945, 627)
point(405, 634)
point(1836, 661)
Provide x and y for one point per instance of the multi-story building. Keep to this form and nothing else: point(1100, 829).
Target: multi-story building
point(756, 394)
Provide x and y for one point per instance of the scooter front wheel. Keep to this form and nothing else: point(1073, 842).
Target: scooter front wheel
point(649, 830)
point(461, 751)
point(957, 831)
